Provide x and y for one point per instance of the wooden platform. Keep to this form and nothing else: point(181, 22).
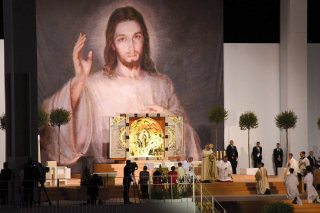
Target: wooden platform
point(238, 196)
point(257, 206)
point(241, 188)
point(74, 191)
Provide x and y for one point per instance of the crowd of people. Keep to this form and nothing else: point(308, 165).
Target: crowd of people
point(303, 173)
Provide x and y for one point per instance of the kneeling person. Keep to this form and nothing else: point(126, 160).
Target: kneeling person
point(225, 170)
point(262, 180)
point(291, 182)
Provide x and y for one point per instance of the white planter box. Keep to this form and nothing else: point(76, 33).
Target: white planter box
point(248, 171)
point(281, 172)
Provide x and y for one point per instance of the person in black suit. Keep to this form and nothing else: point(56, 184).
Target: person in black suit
point(5, 177)
point(257, 155)
point(93, 188)
point(127, 179)
point(312, 159)
point(28, 182)
point(277, 157)
point(232, 154)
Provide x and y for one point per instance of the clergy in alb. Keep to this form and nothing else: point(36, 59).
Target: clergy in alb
point(188, 167)
point(262, 180)
point(209, 169)
point(291, 182)
point(225, 170)
point(292, 164)
point(182, 174)
point(312, 194)
point(129, 83)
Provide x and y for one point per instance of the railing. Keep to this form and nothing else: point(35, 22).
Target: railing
point(205, 200)
point(110, 192)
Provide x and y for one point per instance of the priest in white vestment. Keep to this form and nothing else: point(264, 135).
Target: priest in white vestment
point(312, 194)
point(129, 83)
point(188, 167)
point(225, 170)
point(209, 169)
point(292, 163)
point(291, 182)
point(262, 180)
point(182, 175)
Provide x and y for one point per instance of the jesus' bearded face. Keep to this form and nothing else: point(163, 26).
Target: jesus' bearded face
point(128, 43)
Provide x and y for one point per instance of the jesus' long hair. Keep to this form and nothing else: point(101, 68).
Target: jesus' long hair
point(110, 56)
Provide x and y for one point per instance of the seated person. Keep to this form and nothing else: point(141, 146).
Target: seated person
point(225, 170)
point(157, 179)
point(93, 188)
point(143, 181)
point(188, 167)
point(182, 175)
point(172, 175)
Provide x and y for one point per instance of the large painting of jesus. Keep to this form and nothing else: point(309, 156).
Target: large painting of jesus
point(143, 68)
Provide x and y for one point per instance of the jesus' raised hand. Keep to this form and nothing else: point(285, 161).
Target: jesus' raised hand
point(82, 69)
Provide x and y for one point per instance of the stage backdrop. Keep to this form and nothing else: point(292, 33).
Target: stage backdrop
point(186, 43)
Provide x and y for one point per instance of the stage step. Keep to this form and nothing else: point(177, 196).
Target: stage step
point(257, 206)
point(233, 188)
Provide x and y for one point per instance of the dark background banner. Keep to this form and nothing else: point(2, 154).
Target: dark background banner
point(186, 44)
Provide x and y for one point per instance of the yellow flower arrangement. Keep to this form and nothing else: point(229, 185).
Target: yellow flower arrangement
point(211, 146)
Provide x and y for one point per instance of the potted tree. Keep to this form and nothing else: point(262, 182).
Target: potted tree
point(59, 117)
point(43, 120)
point(248, 121)
point(286, 120)
point(217, 115)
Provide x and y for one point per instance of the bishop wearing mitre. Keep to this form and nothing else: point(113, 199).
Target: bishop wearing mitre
point(209, 170)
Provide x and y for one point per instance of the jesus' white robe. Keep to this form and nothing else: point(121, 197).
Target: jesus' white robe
point(225, 171)
point(312, 194)
point(104, 96)
point(291, 182)
point(209, 169)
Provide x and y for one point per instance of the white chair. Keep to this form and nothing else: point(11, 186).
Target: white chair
point(51, 176)
point(63, 174)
